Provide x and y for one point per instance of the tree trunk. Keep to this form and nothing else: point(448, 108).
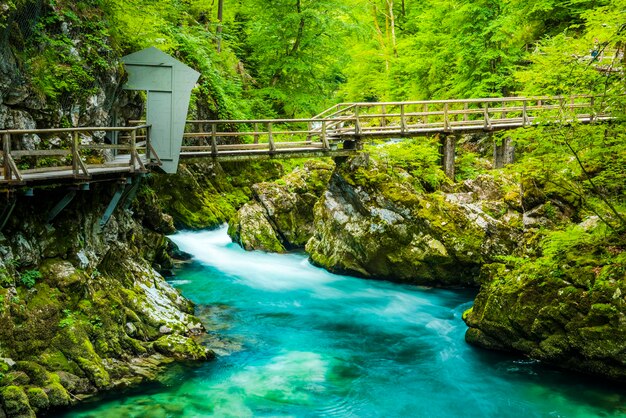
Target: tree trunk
point(220, 16)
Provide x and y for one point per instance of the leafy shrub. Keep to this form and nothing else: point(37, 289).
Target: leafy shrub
point(29, 278)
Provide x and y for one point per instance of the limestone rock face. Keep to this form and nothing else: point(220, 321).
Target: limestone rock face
point(281, 216)
point(374, 223)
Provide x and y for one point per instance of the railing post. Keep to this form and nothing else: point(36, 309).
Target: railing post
point(6, 149)
point(148, 145)
point(75, 153)
point(270, 136)
point(357, 123)
point(525, 120)
point(255, 126)
point(486, 115)
point(383, 120)
point(426, 113)
point(403, 127)
point(214, 139)
point(324, 137)
point(446, 118)
point(133, 149)
point(465, 113)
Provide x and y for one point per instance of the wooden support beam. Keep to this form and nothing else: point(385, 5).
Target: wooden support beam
point(7, 211)
point(357, 121)
point(448, 150)
point(113, 203)
point(6, 150)
point(256, 132)
point(403, 124)
point(324, 136)
point(58, 208)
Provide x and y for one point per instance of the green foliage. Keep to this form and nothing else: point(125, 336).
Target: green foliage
point(29, 278)
point(69, 319)
point(420, 157)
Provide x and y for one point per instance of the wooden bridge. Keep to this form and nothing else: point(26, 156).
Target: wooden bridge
point(81, 155)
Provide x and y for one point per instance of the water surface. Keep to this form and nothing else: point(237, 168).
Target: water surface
point(315, 344)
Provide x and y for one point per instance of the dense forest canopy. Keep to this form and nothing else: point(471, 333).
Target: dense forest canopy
point(267, 58)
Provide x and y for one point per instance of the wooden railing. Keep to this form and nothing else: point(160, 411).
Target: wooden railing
point(447, 116)
point(209, 137)
point(60, 153)
point(352, 121)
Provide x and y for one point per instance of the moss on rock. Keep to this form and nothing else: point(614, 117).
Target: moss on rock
point(15, 402)
point(565, 307)
point(372, 222)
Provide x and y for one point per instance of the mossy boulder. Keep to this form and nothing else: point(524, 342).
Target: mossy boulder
point(281, 215)
point(15, 402)
point(38, 399)
point(251, 229)
point(566, 307)
point(374, 223)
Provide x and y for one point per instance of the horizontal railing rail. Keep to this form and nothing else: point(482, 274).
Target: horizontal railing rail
point(62, 153)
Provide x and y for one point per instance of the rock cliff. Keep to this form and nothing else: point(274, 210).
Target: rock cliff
point(82, 308)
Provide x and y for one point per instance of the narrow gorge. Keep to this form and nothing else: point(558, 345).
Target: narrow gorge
point(460, 255)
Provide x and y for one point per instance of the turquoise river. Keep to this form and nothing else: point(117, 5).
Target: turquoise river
point(301, 342)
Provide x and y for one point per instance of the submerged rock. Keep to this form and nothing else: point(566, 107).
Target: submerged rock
point(374, 223)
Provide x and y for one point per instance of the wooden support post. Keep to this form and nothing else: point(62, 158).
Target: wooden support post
point(448, 145)
point(466, 114)
point(504, 153)
point(403, 125)
point(6, 149)
point(525, 120)
point(148, 145)
point(486, 116)
point(214, 139)
point(383, 119)
point(255, 126)
point(357, 122)
point(425, 110)
point(271, 137)
point(133, 150)
point(75, 154)
point(591, 108)
point(509, 151)
point(446, 118)
point(324, 136)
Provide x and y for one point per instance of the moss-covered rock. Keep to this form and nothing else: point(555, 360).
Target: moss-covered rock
point(182, 347)
point(281, 216)
point(251, 229)
point(374, 223)
point(38, 399)
point(566, 307)
point(206, 194)
point(15, 402)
